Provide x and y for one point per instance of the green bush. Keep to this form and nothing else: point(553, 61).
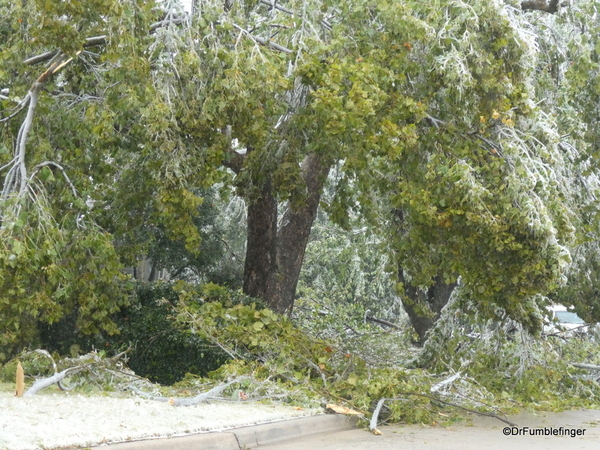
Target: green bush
point(158, 349)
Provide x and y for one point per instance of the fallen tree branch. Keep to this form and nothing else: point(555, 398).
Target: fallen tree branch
point(586, 366)
point(54, 379)
point(190, 401)
point(441, 384)
point(375, 416)
point(58, 377)
point(382, 322)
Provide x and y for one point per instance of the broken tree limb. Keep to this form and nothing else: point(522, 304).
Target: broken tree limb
point(375, 416)
point(58, 377)
point(382, 322)
point(586, 366)
point(441, 384)
point(45, 382)
point(211, 394)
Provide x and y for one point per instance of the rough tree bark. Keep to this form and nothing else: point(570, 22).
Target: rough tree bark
point(274, 256)
point(293, 235)
point(261, 247)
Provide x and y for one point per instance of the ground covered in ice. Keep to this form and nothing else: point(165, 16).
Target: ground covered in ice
point(63, 420)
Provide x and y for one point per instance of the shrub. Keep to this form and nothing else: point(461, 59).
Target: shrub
point(158, 349)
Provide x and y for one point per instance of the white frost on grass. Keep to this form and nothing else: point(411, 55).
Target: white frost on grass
point(61, 420)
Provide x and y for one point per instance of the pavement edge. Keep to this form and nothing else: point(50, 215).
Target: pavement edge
point(246, 437)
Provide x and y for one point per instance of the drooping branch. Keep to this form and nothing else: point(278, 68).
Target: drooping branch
point(16, 180)
point(37, 168)
point(540, 5)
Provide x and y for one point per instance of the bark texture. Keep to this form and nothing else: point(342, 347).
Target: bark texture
point(274, 256)
point(261, 247)
point(292, 237)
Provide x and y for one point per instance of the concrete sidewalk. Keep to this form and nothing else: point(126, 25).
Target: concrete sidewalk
point(245, 437)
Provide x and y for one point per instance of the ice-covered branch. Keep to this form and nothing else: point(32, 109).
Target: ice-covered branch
point(191, 400)
point(16, 180)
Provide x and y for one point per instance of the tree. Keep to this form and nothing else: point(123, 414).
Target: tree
point(427, 110)
point(55, 257)
point(513, 180)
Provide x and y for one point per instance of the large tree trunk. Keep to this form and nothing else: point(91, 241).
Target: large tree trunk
point(293, 235)
point(261, 248)
point(274, 257)
point(424, 306)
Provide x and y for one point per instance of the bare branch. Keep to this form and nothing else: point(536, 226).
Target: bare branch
point(23, 133)
point(382, 322)
point(41, 58)
point(17, 109)
point(586, 366)
point(16, 179)
point(262, 41)
point(272, 45)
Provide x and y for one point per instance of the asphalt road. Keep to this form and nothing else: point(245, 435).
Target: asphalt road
point(481, 433)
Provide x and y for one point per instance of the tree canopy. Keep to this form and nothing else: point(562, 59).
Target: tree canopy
point(463, 133)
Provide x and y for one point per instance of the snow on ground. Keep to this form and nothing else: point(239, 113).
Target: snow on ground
point(62, 420)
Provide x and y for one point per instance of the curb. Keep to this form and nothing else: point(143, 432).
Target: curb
point(246, 437)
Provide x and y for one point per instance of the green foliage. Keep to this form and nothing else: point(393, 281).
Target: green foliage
point(49, 270)
point(269, 346)
point(147, 328)
point(510, 364)
point(215, 260)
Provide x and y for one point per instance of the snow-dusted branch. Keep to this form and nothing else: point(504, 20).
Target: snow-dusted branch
point(447, 381)
point(16, 180)
point(586, 366)
point(262, 41)
point(45, 382)
point(58, 377)
point(211, 394)
point(275, 5)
